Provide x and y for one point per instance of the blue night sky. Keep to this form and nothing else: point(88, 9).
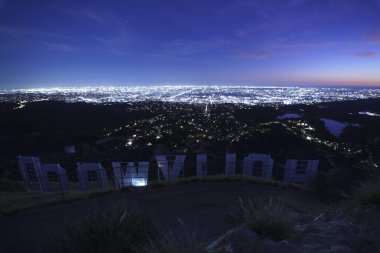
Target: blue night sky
point(258, 42)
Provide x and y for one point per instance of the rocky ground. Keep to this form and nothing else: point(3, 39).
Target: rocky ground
point(335, 231)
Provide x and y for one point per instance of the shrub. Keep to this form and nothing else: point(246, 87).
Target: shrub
point(183, 240)
point(119, 232)
point(338, 184)
point(267, 218)
point(368, 193)
point(361, 181)
point(108, 232)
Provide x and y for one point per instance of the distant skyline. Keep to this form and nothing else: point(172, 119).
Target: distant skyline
point(49, 43)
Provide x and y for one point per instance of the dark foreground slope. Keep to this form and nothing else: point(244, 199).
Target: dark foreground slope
point(205, 208)
point(203, 205)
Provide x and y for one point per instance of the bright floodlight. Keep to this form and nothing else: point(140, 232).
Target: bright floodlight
point(139, 182)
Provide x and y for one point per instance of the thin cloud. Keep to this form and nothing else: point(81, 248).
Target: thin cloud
point(193, 47)
point(263, 54)
point(94, 17)
point(57, 46)
point(14, 32)
point(18, 33)
point(255, 55)
point(38, 38)
point(116, 45)
point(374, 37)
point(102, 19)
point(367, 54)
point(293, 49)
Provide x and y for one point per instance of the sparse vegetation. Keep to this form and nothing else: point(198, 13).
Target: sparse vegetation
point(115, 231)
point(338, 184)
point(368, 193)
point(268, 218)
point(355, 185)
point(109, 232)
point(183, 240)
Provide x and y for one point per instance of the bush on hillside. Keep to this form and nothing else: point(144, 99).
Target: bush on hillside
point(340, 183)
point(268, 218)
point(183, 239)
point(108, 232)
point(368, 193)
point(118, 232)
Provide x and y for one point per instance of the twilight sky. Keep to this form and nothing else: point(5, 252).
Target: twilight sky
point(120, 42)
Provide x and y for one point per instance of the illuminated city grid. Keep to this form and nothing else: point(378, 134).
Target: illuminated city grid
point(250, 95)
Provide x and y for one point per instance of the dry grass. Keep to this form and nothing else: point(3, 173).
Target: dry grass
point(111, 231)
point(116, 231)
point(368, 193)
point(183, 240)
point(268, 218)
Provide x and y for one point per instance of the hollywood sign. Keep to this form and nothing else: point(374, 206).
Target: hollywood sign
point(170, 168)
